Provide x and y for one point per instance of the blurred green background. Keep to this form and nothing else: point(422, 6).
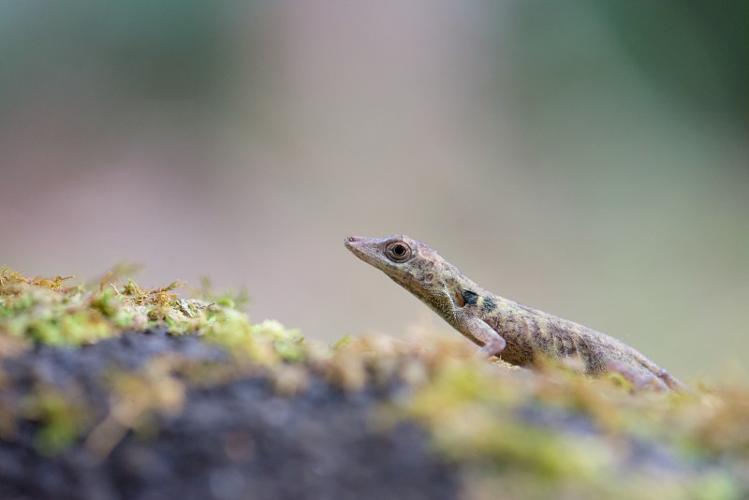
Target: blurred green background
point(589, 158)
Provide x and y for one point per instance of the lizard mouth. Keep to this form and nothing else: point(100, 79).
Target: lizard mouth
point(359, 246)
point(351, 240)
point(353, 243)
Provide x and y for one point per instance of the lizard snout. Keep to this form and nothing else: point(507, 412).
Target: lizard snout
point(352, 240)
point(367, 249)
point(358, 246)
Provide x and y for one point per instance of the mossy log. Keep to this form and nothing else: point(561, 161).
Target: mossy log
point(109, 390)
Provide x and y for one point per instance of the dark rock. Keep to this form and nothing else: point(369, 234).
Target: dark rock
point(231, 441)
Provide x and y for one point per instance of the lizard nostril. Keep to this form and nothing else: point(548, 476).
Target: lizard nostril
point(352, 239)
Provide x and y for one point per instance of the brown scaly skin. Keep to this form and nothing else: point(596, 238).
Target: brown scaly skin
point(519, 334)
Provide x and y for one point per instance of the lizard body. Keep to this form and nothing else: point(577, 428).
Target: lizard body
point(502, 327)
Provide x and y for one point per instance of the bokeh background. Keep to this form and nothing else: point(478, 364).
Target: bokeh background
point(586, 157)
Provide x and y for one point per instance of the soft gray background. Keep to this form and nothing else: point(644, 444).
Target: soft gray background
point(587, 157)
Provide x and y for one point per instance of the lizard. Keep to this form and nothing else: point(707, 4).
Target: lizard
point(501, 327)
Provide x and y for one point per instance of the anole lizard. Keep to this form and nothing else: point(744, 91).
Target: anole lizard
point(516, 333)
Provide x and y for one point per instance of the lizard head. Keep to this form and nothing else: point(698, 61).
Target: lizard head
point(410, 263)
point(418, 269)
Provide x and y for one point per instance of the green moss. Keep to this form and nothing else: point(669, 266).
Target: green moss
point(136, 398)
point(475, 414)
point(342, 342)
point(287, 344)
point(53, 311)
point(45, 310)
point(473, 410)
point(62, 418)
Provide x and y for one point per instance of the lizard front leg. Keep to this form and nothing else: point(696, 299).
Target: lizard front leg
point(477, 329)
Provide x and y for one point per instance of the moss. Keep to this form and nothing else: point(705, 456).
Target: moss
point(62, 417)
point(556, 433)
point(46, 310)
point(136, 399)
point(533, 434)
point(476, 415)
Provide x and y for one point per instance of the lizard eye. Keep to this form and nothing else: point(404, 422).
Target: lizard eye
point(398, 251)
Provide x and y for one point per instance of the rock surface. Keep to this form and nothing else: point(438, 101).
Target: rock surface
point(230, 441)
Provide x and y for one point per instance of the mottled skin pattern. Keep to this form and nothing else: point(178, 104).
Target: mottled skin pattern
point(518, 334)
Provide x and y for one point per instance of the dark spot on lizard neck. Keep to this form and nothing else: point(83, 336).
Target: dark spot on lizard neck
point(470, 298)
point(489, 305)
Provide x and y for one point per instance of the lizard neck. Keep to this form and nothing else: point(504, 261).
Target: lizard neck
point(443, 289)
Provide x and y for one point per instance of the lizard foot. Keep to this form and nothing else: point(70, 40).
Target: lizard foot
point(640, 378)
point(672, 382)
point(493, 348)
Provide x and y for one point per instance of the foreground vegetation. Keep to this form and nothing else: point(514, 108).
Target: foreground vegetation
point(502, 429)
